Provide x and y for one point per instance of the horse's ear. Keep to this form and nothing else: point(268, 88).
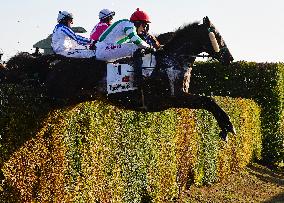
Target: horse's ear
point(206, 20)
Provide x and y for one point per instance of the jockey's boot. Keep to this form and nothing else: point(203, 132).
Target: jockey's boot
point(137, 59)
point(138, 77)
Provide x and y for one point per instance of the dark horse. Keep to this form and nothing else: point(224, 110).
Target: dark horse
point(78, 80)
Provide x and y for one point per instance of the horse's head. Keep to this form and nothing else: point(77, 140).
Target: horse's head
point(214, 43)
point(195, 38)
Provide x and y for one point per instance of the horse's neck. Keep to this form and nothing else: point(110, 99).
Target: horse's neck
point(186, 41)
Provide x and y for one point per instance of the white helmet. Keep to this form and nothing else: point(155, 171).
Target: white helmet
point(106, 13)
point(64, 14)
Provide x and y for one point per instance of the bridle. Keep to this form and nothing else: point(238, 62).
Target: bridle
point(210, 29)
point(208, 42)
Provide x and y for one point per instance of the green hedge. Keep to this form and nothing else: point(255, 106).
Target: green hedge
point(95, 152)
point(261, 82)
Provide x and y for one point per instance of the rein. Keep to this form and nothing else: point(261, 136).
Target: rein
point(201, 55)
point(214, 43)
point(198, 55)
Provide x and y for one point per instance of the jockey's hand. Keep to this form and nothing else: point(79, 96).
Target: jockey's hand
point(138, 53)
point(149, 50)
point(161, 47)
point(93, 45)
point(161, 51)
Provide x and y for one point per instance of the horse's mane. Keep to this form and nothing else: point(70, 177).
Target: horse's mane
point(174, 39)
point(165, 38)
point(186, 29)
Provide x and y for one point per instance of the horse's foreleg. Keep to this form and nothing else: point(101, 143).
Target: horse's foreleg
point(186, 79)
point(201, 102)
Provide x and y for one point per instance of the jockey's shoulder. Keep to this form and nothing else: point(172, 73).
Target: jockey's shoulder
point(61, 26)
point(122, 21)
point(102, 24)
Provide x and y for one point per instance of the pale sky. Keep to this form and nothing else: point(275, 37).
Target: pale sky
point(252, 29)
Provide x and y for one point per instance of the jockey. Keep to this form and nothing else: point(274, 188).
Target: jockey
point(105, 17)
point(65, 42)
point(121, 38)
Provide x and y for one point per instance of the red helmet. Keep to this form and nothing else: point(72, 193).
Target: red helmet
point(140, 16)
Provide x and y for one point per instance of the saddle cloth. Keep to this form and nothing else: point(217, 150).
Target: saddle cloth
point(120, 77)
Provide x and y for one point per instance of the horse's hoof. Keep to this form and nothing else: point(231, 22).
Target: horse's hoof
point(234, 131)
point(224, 135)
point(231, 129)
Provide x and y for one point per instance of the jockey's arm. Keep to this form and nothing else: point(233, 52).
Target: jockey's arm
point(79, 39)
point(132, 35)
point(155, 42)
